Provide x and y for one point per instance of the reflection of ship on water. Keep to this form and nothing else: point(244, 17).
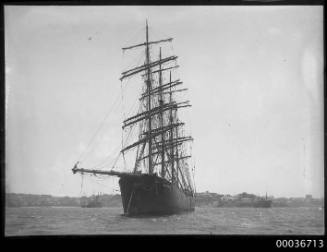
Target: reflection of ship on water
point(245, 200)
point(94, 201)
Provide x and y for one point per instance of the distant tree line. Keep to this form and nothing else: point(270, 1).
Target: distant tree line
point(207, 198)
point(26, 200)
point(107, 200)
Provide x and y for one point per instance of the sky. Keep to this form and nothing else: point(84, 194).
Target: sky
point(255, 80)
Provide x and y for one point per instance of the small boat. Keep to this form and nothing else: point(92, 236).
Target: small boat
point(93, 202)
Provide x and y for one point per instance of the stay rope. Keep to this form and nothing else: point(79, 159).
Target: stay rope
point(82, 184)
point(91, 141)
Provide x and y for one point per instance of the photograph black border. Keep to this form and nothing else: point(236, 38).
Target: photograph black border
point(151, 242)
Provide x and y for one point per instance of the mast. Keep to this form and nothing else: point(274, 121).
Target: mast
point(161, 121)
point(148, 83)
point(177, 158)
point(171, 135)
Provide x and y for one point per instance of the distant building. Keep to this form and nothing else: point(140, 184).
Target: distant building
point(308, 198)
point(227, 197)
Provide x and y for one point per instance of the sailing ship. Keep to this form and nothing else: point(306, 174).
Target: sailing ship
point(160, 182)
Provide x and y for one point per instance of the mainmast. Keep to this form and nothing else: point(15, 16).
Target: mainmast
point(148, 83)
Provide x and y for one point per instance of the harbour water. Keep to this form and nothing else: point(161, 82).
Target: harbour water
point(24, 221)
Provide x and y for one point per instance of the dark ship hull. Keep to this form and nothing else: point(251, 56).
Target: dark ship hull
point(145, 194)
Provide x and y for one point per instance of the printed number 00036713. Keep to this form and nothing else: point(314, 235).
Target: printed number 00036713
point(300, 243)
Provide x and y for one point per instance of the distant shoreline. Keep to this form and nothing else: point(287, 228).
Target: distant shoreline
point(114, 200)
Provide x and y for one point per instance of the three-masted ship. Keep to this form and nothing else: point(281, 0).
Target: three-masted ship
point(164, 185)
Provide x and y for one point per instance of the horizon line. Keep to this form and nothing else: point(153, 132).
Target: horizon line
point(321, 197)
